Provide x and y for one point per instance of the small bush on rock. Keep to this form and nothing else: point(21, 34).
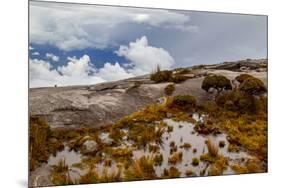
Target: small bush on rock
point(169, 89)
point(217, 82)
point(184, 102)
point(253, 86)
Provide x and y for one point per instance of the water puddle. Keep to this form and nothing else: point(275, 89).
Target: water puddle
point(182, 132)
point(70, 157)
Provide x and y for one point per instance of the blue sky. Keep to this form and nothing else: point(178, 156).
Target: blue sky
point(87, 44)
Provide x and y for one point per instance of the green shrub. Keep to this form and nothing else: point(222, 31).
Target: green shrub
point(158, 159)
point(253, 86)
point(217, 82)
point(242, 77)
point(198, 67)
point(184, 102)
point(161, 76)
point(186, 146)
point(170, 129)
point(182, 71)
point(169, 89)
point(221, 144)
point(178, 78)
point(236, 101)
point(195, 161)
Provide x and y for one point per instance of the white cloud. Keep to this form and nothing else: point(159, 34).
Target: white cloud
point(69, 26)
point(76, 72)
point(53, 57)
point(141, 18)
point(145, 58)
point(30, 48)
point(112, 72)
point(80, 71)
point(77, 67)
point(35, 53)
point(41, 73)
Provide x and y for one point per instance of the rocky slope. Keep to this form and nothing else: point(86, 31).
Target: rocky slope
point(102, 104)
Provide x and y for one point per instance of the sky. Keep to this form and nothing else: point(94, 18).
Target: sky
point(77, 44)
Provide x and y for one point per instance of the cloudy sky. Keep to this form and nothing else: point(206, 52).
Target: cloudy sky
point(74, 44)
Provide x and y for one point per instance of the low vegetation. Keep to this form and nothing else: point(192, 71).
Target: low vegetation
point(178, 78)
point(190, 173)
point(217, 82)
point(141, 169)
point(195, 161)
point(240, 113)
point(218, 163)
point(175, 158)
point(167, 76)
point(158, 159)
point(242, 77)
point(60, 174)
point(93, 176)
point(41, 142)
point(184, 102)
point(250, 166)
point(253, 86)
point(161, 76)
point(172, 172)
point(221, 144)
point(169, 89)
point(186, 146)
point(182, 71)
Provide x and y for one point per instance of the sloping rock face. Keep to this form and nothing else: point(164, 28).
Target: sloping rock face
point(92, 106)
point(103, 104)
point(259, 65)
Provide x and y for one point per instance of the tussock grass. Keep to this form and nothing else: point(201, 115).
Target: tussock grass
point(158, 159)
point(60, 174)
point(172, 172)
point(141, 169)
point(250, 166)
point(92, 176)
point(175, 158)
point(213, 150)
point(41, 142)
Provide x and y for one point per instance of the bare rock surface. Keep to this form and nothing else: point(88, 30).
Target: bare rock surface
point(105, 103)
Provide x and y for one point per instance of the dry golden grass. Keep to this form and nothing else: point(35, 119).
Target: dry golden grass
point(213, 150)
point(141, 169)
point(175, 158)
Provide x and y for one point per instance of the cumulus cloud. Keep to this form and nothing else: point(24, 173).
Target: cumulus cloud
point(30, 48)
point(53, 57)
point(77, 67)
point(112, 72)
point(71, 27)
point(41, 73)
point(35, 53)
point(145, 58)
point(80, 71)
point(75, 72)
